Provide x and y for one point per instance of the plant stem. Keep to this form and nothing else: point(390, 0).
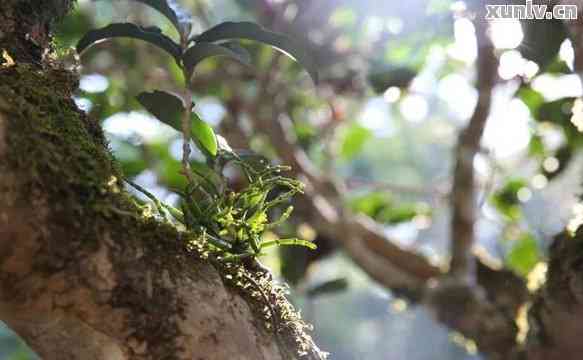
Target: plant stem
point(186, 131)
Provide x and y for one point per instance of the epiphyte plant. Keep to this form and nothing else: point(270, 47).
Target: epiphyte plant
point(231, 223)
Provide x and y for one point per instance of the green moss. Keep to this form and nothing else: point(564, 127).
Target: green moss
point(58, 151)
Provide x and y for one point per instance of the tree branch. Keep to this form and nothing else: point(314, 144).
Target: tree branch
point(463, 198)
point(85, 273)
point(363, 240)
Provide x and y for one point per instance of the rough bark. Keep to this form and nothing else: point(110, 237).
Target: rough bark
point(85, 272)
point(556, 311)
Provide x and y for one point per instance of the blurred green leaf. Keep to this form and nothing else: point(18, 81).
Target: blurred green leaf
point(524, 255)
point(536, 147)
point(558, 67)
point(558, 111)
point(380, 207)
point(251, 31)
point(305, 131)
point(166, 167)
point(506, 201)
point(531, 98)
point(327, 287)
point(397, 214)
point(152, 35)
point(371, 204)
point(353, 140)
point(132, 161)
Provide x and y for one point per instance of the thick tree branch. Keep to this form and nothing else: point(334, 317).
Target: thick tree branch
point(85, 274)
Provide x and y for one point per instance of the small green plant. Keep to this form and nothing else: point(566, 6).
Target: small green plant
point(231, 223)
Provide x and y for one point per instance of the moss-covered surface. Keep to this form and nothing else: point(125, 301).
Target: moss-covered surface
point(24, 26)
point(59, 152)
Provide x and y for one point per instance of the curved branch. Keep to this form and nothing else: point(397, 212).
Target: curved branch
point(463, 200)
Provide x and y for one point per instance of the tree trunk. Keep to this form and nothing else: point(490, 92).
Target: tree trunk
point(85, 273)
point(556, 314)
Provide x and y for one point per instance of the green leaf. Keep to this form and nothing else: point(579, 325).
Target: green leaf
point(328, 287)
point(536, 146)
point(170, 12)
point(251, 31)
point(353, 141)
point(182, 23)
point(204, 135)
point(558, 67)
point(557, 112)
point(152, 35)
point(531, 98)
point(201, 51)
point(524, 255)
point(371, 204)
point(398, 214)
point(238, 49)
point(506, 201)
point(169, 109)
point(164, 106)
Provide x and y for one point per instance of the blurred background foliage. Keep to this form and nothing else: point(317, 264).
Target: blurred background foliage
point(398, 82)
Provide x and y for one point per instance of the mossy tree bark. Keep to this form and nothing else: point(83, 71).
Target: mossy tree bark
point(84, 273)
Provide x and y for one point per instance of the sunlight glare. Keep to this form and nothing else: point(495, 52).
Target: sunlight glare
point(414, 108)
point(93, 83)
point(376, 116)
point(507, 131)
point(554, 87)
point(567, 54)
point(211, 110)
point(506, 33)
point(459, 94)
point(392, 94)
point(464, 48)
point(128, 125)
